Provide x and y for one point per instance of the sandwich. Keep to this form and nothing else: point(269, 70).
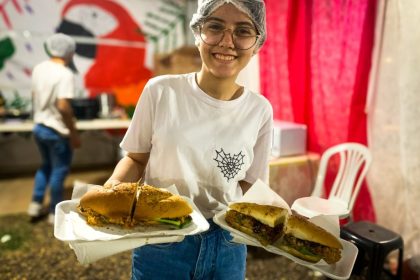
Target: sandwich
point(263, 222)
point(128, 205)
point(109, 204)
point(307, 241)
point(158, 206)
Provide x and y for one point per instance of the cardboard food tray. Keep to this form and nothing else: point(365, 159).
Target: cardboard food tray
point(340, 270)
point(72, 226)
point(262, 194)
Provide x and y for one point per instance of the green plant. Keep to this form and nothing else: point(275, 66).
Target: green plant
point(18, 103)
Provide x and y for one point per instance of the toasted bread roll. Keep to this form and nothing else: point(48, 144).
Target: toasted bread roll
point(266, 214)
point(263, 222)
point(302, 228)
point(110, 204)
point(128, 204)
point(154, 203)
point(308, 241)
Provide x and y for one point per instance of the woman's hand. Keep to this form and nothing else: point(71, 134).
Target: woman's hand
point(111, 183)
point(129, 169)
point(244, 186)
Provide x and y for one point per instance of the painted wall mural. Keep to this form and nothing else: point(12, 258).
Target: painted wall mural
point(116, 41)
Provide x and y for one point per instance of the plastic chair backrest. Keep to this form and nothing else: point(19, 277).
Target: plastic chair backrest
point(355, 160)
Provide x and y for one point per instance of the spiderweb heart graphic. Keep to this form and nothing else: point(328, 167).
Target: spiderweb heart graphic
point(229, 165)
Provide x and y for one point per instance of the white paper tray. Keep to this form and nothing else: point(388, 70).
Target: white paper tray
point(340, 270)
point(71, 226)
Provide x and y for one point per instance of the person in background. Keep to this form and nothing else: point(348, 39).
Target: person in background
point(54, 131)
point(206, 134)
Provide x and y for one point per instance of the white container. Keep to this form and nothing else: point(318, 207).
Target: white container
point(288, 139)
point(106, 105)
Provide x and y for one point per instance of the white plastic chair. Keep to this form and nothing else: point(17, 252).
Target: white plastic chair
point(355, 160)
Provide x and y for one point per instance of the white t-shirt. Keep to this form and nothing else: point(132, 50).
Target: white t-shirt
point(51, 81)
point(201, 144)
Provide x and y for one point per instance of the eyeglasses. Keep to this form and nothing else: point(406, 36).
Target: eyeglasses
point(243, 37)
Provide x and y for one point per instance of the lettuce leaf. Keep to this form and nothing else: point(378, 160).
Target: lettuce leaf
point(177, 223)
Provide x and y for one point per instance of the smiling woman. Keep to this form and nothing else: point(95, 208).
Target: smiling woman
point(225, 56)
point(207, 135)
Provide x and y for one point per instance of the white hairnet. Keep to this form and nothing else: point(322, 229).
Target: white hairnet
point(255, 9)
point(60, 45)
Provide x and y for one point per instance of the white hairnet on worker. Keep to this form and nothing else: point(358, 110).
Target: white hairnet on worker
point(60, 45)
point(255, 9)
point(63, 46)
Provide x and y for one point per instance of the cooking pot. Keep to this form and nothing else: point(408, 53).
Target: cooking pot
point(85, 108)
point(106, 103)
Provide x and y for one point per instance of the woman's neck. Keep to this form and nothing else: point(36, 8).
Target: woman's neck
point(58, 60)
point(222, 89)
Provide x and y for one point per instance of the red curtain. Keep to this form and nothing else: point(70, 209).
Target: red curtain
point(315, 68)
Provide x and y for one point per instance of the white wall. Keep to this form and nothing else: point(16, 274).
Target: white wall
point(250, 75)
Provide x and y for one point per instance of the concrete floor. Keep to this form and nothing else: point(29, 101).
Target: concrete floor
point(16, 192)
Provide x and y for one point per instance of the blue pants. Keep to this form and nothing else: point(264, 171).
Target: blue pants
point(210, 255)
point(56, 155)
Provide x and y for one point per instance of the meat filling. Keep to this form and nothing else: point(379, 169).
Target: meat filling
point(267, 233)
point(330, 255)
point(97, 219)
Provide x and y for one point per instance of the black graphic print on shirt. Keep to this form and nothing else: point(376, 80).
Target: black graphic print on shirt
point(229, 165)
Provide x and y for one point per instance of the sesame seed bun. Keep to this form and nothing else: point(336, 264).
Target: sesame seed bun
point(154, 203)
point(128, 204)
point(113, 202)
point(302, 228)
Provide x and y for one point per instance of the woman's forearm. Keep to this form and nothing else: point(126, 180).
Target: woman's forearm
point(129, 169)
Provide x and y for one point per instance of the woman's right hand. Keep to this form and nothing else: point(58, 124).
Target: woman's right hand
point(129, 169)
point(112, 183)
